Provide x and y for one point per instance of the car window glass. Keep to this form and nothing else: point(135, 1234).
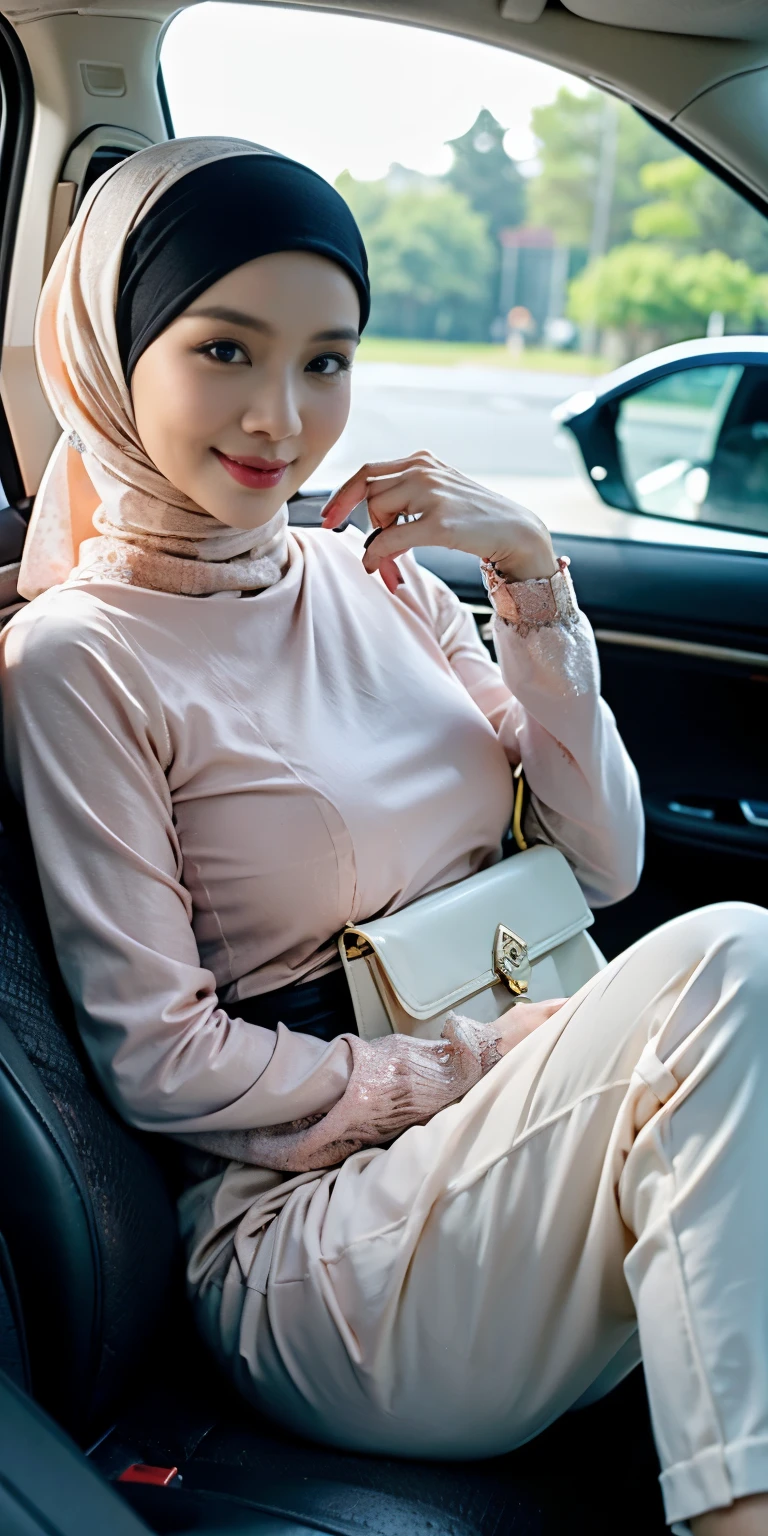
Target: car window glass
point(694, 445)
point(527, 233)
point(669, 429)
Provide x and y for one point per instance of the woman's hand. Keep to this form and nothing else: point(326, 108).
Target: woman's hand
point(395, 1082)
point(522, 1020)
point(445, 508)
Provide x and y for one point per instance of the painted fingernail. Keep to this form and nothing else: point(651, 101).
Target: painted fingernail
point(372, 536)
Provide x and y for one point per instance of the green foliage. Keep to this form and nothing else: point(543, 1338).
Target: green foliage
point(433, 249)
point(432, 241)
point(631, 286)
point(646, 288)
point(680, 243)
point(714, 281)
point(430, 257)
point(671, 214)
point(692, 208)
point(675, 178)
point(484, 173)
point(569, 131)
point(665, 219)
point(367, 199)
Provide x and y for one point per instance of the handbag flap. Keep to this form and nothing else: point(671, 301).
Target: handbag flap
point(439, 949)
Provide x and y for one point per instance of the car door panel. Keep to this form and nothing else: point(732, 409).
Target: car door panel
point(683, 641)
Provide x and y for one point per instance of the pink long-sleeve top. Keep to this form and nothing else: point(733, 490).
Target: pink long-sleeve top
point(216, 785)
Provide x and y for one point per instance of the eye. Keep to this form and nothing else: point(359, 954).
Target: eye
point(329, 364)
point(224, 352)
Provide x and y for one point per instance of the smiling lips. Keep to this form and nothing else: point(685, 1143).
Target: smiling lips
point(257, 474)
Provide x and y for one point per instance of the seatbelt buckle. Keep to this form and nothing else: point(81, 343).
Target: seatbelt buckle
point(140, 1472)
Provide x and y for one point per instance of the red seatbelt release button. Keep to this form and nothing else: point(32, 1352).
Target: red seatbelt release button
point(139, 1472)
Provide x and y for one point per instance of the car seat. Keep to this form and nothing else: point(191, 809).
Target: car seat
point(95, 1328)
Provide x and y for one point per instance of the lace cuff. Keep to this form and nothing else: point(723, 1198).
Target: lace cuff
point(533, 604)
point(395, 1082)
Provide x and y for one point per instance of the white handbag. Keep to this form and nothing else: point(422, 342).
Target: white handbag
point(516, 930)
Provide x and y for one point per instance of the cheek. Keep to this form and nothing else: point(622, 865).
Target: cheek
point(326, 413)
point(194, 407)
point(176, 421)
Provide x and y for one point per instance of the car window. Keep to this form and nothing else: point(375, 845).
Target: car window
point(527, 234)
point(667, 434)
point(694, 445)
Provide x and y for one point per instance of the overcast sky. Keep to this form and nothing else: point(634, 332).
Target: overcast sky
point(342, 93)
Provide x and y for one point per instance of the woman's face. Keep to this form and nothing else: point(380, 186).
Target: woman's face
point(241, 397)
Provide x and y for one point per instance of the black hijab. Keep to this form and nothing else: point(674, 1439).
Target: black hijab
point(215, 219)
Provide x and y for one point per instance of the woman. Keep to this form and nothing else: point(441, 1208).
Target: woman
point(232, 738)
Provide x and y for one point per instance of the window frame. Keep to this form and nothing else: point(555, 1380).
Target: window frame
point(16, 115)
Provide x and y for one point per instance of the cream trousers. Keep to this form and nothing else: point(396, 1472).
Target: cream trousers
point(600, 1195)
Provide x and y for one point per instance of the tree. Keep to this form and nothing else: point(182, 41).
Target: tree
point(692, 207)
point(671, 214)
point(484, 173)
point(367, 199)
point(652, 296)
point(658, 194)
point(630, 289)
point(430, 257)
point(568, 132)
point(714, 281)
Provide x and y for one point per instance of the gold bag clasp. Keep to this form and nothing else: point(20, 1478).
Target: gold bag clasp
point(510, 960)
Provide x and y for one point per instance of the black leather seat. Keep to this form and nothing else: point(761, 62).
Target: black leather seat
point(91, 1265)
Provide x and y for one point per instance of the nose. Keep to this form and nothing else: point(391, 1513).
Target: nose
point(273, 407)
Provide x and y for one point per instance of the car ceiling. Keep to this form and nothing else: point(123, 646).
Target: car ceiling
point(745, 19)
point(680, 48)
point(677, 52)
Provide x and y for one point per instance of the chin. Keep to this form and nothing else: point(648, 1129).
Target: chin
point(254, 513)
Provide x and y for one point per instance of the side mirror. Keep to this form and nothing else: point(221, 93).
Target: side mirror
point(681, 433)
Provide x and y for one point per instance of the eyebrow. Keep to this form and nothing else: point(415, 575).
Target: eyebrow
point(237, 317)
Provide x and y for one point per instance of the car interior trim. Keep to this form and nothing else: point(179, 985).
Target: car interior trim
point(82, 151)
point(753, 816)
point(18, 105)
point(707, 161)
point(165, 106)
point(725, 653)
point(17, 100)
point(717, 18)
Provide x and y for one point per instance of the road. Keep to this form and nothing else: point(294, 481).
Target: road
point(494, 424)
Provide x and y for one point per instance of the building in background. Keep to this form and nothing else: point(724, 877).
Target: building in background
point(534, 275)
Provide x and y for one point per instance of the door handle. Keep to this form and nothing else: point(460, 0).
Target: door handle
point(699, 812)
point(727, 825)
point(755, 812)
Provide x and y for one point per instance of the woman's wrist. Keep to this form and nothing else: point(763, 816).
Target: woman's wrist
point(535, 562)
point(534, 603)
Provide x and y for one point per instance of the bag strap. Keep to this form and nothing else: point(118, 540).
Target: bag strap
point(522, 797)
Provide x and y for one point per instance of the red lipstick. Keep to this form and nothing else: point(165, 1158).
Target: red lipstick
point(255, 473)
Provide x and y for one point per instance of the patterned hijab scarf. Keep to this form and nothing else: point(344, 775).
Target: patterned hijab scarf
point(151, 235)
